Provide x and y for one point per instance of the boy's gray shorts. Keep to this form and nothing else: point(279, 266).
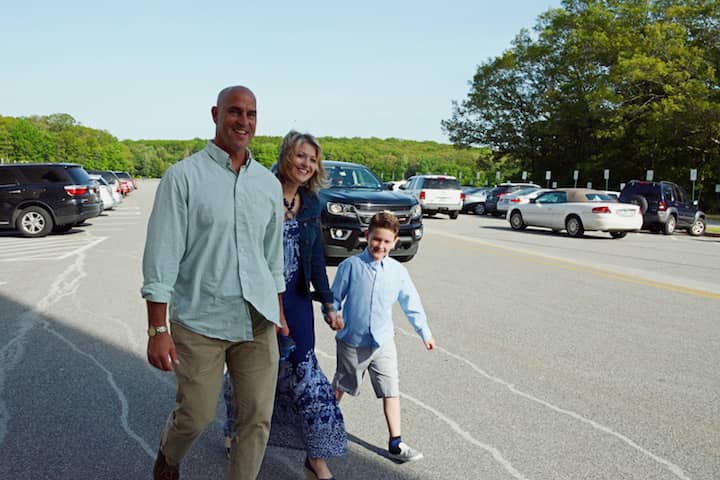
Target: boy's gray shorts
point(353, 362)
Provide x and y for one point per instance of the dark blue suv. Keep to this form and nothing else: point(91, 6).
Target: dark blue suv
point(665, 207)
point(39, 198)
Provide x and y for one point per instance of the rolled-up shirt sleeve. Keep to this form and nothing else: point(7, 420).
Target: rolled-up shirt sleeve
point(273, 244)
point(166, 238)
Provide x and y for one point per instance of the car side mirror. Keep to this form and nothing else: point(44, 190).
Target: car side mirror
point(402, 187)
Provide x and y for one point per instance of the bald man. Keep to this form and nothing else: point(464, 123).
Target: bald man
point(213, 269)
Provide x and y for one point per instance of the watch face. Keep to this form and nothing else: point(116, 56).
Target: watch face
point(151, 331)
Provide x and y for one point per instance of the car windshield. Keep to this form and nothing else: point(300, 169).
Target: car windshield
point(352, 177)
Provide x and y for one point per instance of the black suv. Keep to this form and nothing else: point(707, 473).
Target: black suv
point(497, 192)
point(39, 198)
point(353, 196)
point(665, 207)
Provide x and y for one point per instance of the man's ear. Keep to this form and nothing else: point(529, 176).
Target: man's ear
point(213, 112)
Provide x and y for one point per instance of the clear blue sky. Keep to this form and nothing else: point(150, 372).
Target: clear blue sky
point(152, 69)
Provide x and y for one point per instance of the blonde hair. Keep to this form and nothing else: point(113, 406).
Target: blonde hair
point(290, 144)
point(385, 220)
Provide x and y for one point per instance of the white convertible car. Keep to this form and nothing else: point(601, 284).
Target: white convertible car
point(577, 210)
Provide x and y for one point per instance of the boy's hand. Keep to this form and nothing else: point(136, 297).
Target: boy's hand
point(430, 343)
point(334, 320)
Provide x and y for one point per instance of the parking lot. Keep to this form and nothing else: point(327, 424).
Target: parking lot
point(558, 358)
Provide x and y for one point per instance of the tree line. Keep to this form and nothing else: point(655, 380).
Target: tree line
point(60, 138)
point(621, 85)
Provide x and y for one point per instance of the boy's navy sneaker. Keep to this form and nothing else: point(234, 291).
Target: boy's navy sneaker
point(406, 454)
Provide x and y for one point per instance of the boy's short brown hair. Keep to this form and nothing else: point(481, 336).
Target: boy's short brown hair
point(385, 220)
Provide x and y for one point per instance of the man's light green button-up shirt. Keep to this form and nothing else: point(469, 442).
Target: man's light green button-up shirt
point(214, 244)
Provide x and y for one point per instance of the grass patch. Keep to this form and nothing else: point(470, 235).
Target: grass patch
point(712, 229)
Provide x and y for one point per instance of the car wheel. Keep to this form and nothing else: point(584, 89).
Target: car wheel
point(480, 209)
point(574, 227)
point(516, 221)
point(697, 228)
point(453, 215)
point(34, 222)
point(669, 227)
point(618, 234)
point(429, 213)
point(640, 201)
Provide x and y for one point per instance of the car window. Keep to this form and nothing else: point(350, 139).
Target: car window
point(647, 190)
point(355, 177)
point(667, 191)
point(552, 197)
point(525, 191)
point(78, 175)
point(598, 197)
point(441, 184)
point(679, 194)
point(7, 177)
point(44, 174)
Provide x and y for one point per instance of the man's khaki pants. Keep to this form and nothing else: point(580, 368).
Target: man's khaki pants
point(253, 369)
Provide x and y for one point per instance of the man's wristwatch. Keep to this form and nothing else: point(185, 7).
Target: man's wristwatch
point(152, 331)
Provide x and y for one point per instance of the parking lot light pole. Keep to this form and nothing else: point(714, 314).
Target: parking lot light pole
point(606, 175)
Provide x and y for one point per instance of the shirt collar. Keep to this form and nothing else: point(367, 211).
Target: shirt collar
point(367, 258)
point(222, 158)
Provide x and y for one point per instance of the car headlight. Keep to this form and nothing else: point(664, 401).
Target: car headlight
point(341, 209)
point(416, 211)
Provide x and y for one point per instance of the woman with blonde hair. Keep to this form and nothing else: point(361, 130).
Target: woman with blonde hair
point(306, 415)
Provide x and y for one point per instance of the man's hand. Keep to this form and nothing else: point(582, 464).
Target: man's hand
point(161, 352)
point(430, 343)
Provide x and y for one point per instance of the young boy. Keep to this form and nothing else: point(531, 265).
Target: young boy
point(366, 286)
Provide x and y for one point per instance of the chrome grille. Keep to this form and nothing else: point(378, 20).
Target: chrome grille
point(365, 212)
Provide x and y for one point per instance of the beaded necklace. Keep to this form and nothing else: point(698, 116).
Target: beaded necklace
point(289, 206)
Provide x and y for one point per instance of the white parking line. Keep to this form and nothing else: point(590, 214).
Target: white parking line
point(676, 470)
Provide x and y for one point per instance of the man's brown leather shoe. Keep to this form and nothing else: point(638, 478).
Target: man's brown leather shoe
point(163, 471)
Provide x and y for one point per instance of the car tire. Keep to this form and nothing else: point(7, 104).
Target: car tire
point(669, 226)
point(640, 201)
point(34, 222)
point(453, 215)
point(618, 234)
point(429, 213)
point(574, 226)
point(480, 209)
point(516, 221)
point(697, 228)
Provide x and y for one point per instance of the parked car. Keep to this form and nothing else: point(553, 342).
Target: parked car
point(436, 193)
point(576, 210)
point(665, 207)
point(474, 200)
point(496, 193)
point(352, 197)
point(39, 198)
point(524, 195)
point(112, 179)
point(106, 191)
point(127, 180)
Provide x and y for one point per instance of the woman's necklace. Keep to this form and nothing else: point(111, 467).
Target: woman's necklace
point(289, 207)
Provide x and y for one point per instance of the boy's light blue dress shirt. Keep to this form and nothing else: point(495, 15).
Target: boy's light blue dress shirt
point(214, 242)
point(366, 290)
